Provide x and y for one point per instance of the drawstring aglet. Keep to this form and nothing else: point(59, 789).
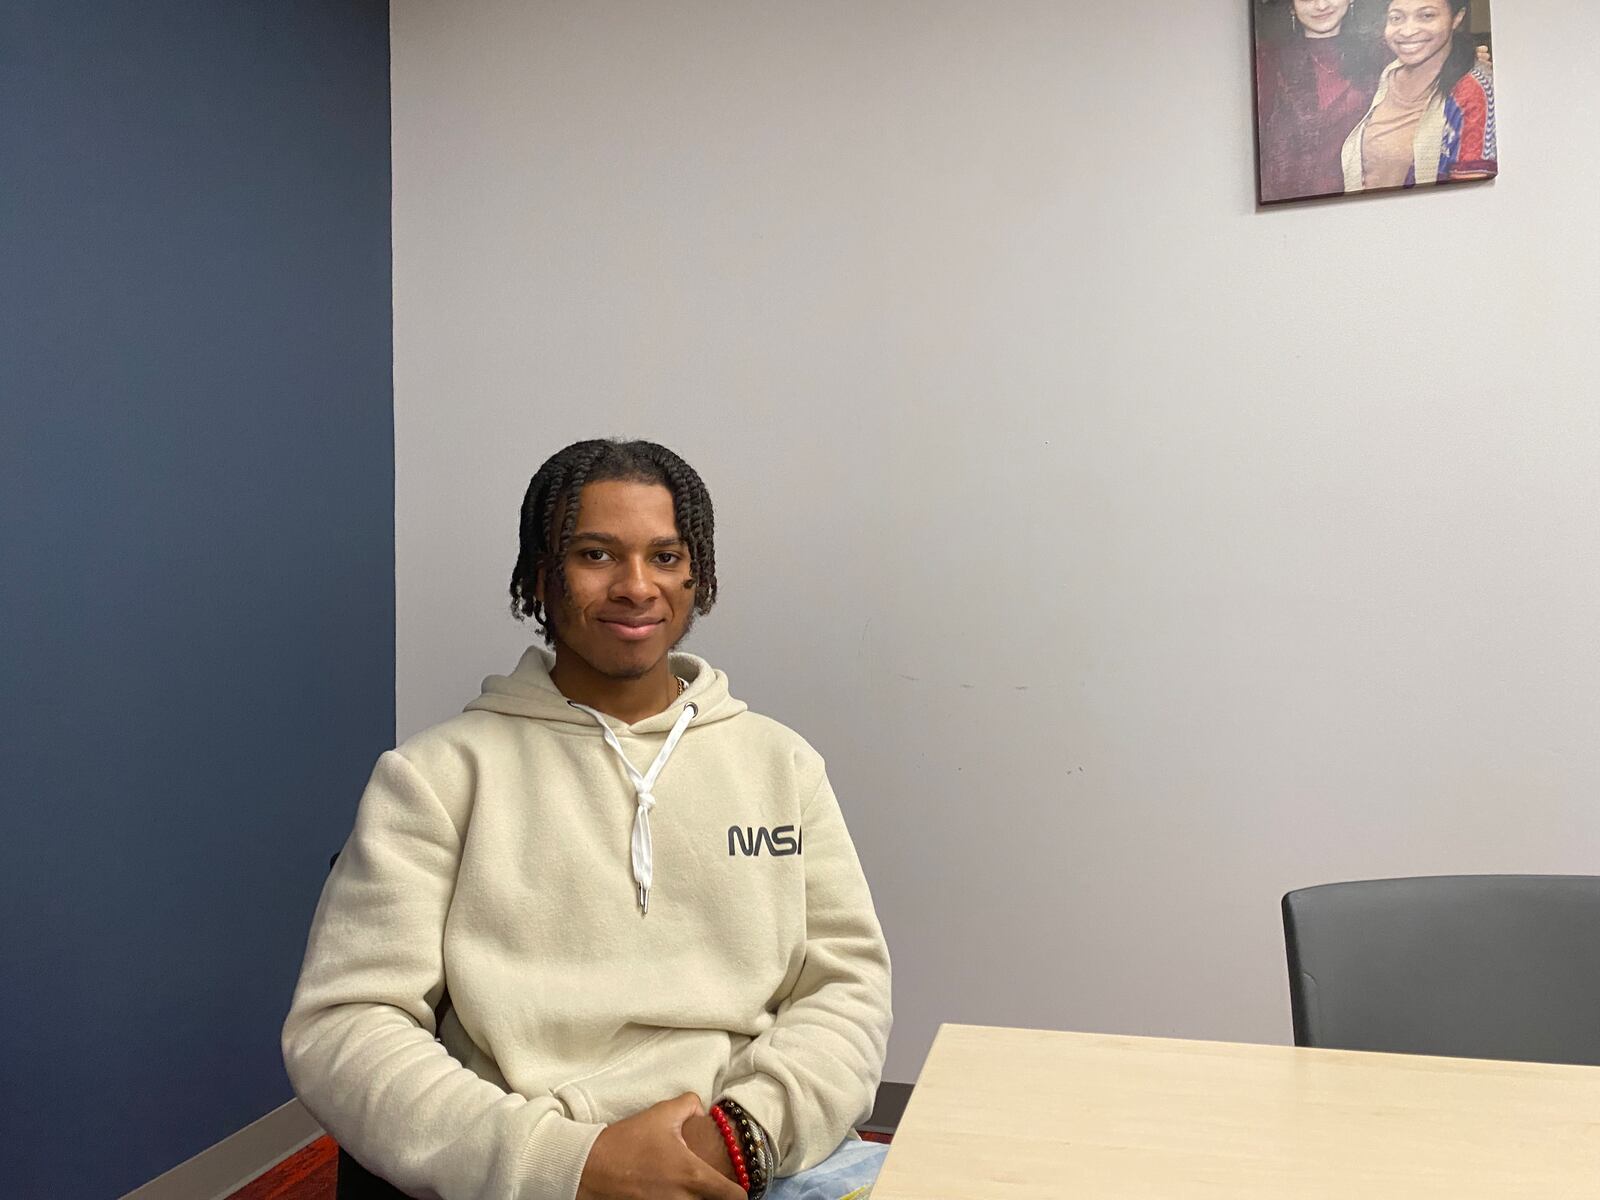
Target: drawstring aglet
point(644, 900)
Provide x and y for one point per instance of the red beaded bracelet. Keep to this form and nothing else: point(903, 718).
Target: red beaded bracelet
point(735, 1155)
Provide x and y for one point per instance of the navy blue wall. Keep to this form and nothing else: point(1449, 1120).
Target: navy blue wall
point(196, 552)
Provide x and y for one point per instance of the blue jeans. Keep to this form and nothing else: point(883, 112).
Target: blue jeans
point(851, 1167)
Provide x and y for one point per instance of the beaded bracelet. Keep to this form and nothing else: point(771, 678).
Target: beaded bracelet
point(755, 1147)
point(731, 1140)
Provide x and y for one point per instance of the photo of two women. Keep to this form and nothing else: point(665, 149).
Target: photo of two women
point(1362, 95)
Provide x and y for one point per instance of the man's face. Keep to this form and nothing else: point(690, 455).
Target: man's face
point(629, 596)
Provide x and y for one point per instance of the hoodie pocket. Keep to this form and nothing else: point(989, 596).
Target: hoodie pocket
point(665, 1064)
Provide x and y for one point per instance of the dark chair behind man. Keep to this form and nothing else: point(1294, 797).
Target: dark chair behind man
point(1463, 966)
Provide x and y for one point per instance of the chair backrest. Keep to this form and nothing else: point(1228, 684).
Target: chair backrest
point(355, 1182)
point(1465, 966)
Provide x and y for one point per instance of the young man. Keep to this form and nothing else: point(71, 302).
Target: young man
point(603, 897)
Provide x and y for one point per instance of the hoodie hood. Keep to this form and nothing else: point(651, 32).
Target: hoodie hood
point(529, 692)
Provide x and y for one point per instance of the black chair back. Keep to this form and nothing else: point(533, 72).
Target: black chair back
point(358, 1183)
point(1465, 966)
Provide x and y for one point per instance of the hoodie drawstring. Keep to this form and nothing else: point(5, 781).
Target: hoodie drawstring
point(643, 848)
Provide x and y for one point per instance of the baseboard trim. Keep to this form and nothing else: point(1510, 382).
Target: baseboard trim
point(223, 1169)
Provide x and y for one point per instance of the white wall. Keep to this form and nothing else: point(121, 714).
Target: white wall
point(1134, 556)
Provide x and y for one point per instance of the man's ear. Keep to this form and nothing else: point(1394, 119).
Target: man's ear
point(538, 584)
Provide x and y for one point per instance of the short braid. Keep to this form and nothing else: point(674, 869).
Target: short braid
point(691, 507)
point(552, 496)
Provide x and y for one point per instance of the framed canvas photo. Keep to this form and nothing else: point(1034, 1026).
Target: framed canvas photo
point(1369, 95)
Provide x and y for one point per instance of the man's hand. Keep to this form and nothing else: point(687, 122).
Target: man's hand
point(647, 1157)
point(705, 1139)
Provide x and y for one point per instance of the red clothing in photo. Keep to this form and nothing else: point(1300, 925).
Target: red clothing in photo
point(1309, 96)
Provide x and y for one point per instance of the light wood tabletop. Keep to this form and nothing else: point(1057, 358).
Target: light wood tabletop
point(1013, 1114)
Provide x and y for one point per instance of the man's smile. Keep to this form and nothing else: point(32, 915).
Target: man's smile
point(632, 629)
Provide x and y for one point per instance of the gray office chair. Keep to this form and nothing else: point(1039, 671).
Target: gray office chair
point(1465, 966)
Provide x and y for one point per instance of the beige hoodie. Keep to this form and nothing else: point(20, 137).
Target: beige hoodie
point(489, 894)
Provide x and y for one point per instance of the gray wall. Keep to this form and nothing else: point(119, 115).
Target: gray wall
point(1132, 555)
point(197, 544)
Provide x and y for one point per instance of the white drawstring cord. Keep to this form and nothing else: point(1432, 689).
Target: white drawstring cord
point(643, 848)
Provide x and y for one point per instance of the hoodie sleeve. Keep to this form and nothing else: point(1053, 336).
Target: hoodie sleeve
point(359, 1039)
point(813, 1076)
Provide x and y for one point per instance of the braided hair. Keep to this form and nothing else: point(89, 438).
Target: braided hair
point(550, 516)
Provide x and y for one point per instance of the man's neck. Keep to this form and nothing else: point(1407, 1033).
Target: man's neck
point(628, 700)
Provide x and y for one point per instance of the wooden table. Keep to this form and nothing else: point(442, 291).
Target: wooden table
point(1013, 1114)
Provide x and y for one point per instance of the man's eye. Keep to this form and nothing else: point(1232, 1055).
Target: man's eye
point(669, 559)
point(592, 555)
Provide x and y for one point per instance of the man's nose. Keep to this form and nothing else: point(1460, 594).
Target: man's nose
point(632, 581)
